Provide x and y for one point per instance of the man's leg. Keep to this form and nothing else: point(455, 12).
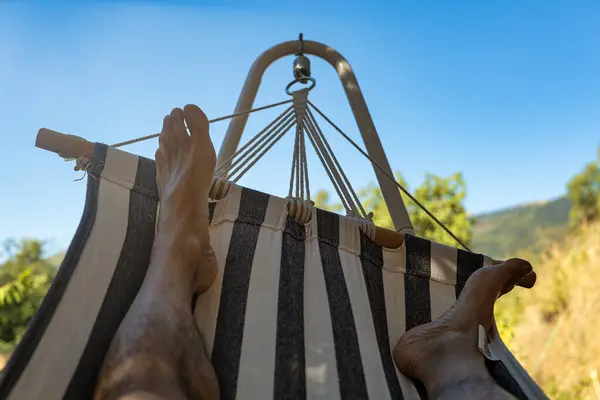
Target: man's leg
point(157, 352)
point(443, 354)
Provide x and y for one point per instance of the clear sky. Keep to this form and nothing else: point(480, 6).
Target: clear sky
point(508, 92)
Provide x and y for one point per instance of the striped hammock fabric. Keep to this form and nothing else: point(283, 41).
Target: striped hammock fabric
point(296, 312)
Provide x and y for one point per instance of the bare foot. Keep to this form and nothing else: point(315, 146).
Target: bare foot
point(185, 166)
point(445, 351)
point(157, 352)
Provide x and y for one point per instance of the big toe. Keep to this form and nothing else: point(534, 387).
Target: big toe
point(202, 147)
point(476, 302)
point(196, 120)
point(513, 272)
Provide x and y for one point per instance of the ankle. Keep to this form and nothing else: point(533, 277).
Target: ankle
point(174, 289)
point(472, 387)
point(450, 373)
point(173, 263)
point(445, 352)
point(180, 243)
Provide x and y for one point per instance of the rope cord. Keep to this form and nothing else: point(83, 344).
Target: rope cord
point(345, 179)
point(246, 149)
point(326, 166)
point(300, 177)
point(293, 174)
point(296, 158)
point(429, 213)
point(299, 170)
point(141, 139)
point(334, 167)
point(262, 150)
point(269, 136)
point(303, 144)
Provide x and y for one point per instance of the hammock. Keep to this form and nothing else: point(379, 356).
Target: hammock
point(306, 304)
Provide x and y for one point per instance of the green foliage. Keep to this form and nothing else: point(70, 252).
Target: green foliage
point(584, 192)
point(444, 197)
point(521, 231)
point(509, 313)
point(372, 199)
point(321, 200)
point(19, 300)
point(24, 280)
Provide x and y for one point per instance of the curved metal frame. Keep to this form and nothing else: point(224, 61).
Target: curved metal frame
point(390, 191)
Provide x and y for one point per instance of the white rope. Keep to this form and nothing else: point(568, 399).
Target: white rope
point(140, 139)
point(299, 170)
point(283, 130)
point(221, 168)
point(326, 166)
point(344, 178)
point(352, 208)
point(294, 164)
point(305, 164)
point(267, 135)
point(255, 149)
point(297, 160)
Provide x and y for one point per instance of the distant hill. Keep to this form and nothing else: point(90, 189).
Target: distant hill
point(506, 232)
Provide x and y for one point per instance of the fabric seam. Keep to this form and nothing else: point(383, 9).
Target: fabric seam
point(221, 220)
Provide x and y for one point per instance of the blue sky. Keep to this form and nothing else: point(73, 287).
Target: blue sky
point(506, 92)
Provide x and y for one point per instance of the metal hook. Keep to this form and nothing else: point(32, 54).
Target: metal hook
point(301, 69)
point(300, 44)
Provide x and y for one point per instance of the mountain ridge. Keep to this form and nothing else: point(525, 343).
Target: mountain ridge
point(525, 227)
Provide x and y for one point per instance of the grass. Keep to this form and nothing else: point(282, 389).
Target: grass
point(553, 328)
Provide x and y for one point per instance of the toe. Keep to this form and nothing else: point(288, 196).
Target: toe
point(517, 266)
point(201, 143)
point(512, 272)
point(165, 138)
point(179, 130)
point(528, 280)
point(197, 121)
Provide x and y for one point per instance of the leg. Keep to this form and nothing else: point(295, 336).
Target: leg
point(157, 352)
point(443, 354)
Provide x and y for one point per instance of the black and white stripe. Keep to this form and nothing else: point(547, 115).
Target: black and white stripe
point(23, 354)
point(227, 347)
point(372, 263)
point(97, 281)
point(290, 361)
point(296, 312)
point(124, 283)
point(347, 353)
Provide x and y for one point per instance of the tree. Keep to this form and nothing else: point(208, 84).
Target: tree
point(322, 201)
point(444, 197)
point(584, 193)
point(19, 300)
point(24, 280)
